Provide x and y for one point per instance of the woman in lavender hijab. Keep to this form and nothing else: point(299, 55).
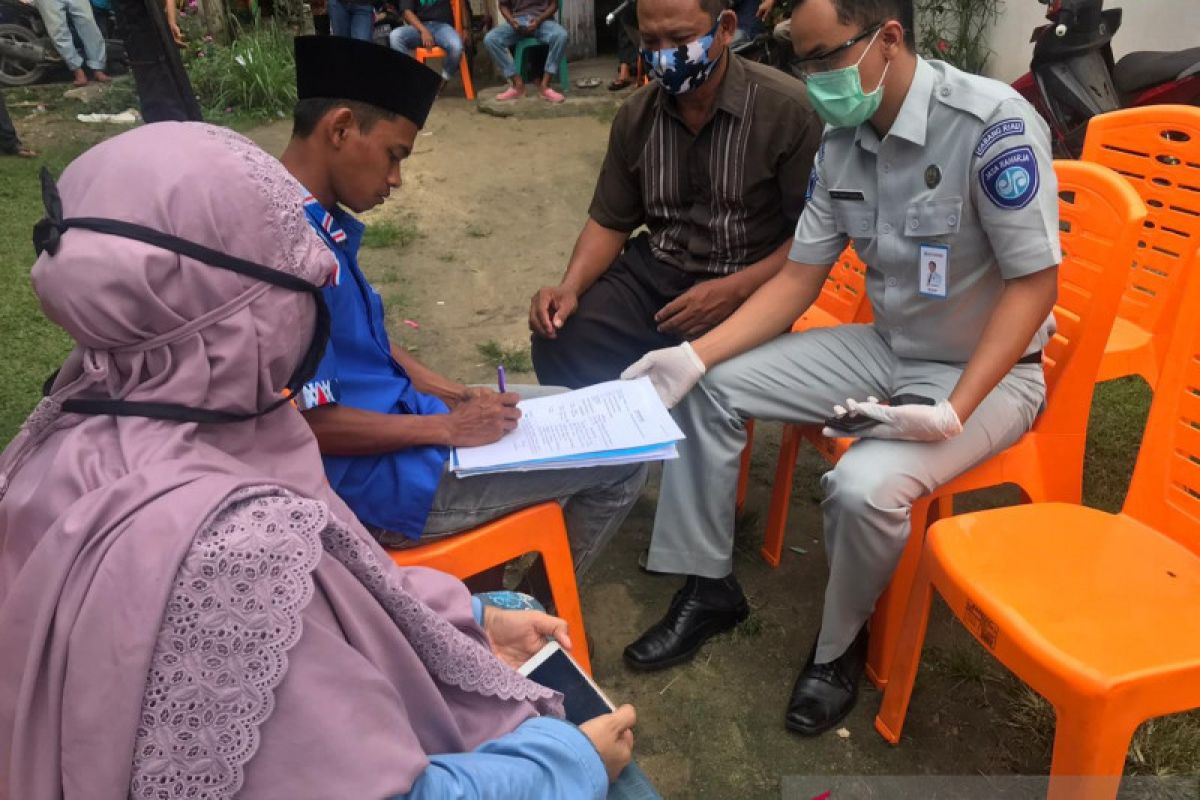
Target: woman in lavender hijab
point(186, 609)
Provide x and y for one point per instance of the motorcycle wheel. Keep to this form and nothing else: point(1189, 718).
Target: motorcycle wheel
point(14, 72)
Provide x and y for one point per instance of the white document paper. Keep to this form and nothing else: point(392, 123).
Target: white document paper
point(613, 422)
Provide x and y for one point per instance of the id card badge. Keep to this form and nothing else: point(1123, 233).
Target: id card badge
point(933, 276)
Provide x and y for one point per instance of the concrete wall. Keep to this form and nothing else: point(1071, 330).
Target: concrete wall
point(1145, 25)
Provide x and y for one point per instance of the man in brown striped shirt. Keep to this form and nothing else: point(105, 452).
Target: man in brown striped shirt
point(713, 158)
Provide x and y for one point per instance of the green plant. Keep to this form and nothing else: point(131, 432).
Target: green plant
point(254, 75)
point(956, 31)
point(515, 359)
point(386, 233)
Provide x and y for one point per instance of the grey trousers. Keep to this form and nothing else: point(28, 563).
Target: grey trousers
point(595, 500)
point(868, 494)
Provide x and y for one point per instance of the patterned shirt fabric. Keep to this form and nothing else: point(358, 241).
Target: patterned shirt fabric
point(393, 491)
point(430, 10)
point(720, 200)
point(532, 8)
point(964, 178)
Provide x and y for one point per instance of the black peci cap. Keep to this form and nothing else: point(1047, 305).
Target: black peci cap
point(341, 68)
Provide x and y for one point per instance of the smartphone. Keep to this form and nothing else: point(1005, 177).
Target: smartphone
point(852, 423)
point(554, 668)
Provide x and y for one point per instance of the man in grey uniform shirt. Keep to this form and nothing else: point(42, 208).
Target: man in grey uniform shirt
point(920, 163)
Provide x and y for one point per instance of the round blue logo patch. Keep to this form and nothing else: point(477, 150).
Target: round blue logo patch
point(1010, 180)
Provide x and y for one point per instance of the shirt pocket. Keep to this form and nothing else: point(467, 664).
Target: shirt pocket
point(933, 218)
point(854, 218)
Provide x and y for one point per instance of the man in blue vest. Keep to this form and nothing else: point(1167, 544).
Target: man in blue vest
point(385, 423)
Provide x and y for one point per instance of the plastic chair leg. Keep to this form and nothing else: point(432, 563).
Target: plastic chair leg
point(464, 70)
point(781, 495)
point(560, 570)
point(1090, 743)
point(890, 607)
point(907, 656)
point(519, 59)
point(744, 470)
point(564, 79)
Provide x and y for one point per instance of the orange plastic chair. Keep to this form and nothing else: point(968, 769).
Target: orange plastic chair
point(1096, 612)
point(1157, 148)
point(1101, 219)
point(537, 529)
point(423, 54)
point(843, 298)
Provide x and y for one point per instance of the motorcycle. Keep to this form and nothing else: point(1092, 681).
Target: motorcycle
point(27, 53)
point(1073, 76)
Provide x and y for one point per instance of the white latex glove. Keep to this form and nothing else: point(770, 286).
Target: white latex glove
point(673, 371)
point(914, 423)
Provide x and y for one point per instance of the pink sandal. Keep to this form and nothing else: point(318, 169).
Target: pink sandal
point(550, 95)
point(511, 93)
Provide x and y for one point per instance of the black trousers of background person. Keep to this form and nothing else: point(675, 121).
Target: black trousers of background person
point(614, 324)
point(164, 91)
point(9, 143)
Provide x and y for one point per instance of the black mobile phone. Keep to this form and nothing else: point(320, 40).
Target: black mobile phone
point(851, 423)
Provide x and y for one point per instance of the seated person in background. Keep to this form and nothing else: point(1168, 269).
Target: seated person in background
point(429, 23)
point(384, 421)
point(713, 157)
point(185, 602)
point(524, 18)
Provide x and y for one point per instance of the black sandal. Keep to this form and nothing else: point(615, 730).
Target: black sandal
point(619, 84)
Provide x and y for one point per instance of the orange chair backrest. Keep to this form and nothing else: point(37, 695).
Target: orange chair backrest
point(1100, 219)
point(1157, 149)
point(844, 295)
point(1165, 491)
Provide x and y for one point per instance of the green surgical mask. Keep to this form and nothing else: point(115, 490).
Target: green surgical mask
point(838, 97)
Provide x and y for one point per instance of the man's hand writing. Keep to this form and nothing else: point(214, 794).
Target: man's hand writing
point(483, 420)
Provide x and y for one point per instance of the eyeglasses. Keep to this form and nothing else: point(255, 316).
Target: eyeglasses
point(803, 68)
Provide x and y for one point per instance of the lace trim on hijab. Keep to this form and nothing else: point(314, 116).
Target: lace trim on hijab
point(234, 613)
point(236, 610)
point(295, 239)
point(450, 655)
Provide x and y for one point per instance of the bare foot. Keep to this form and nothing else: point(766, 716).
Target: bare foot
point(20, 152)
point(80, 78)
point(101, 76)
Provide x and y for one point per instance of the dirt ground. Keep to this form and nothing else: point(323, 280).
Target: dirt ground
point(497, 204)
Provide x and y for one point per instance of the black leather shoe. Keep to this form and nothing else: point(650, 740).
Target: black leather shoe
point(825, 693)
point(699, 611)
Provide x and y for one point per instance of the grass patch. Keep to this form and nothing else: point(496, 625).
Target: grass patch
point(1166, 746)
point(514, 359)
point(33, 347)
point(478, 231)
point(962, 664)
point(1119, 412)
point(253, 77)
point(387, 233)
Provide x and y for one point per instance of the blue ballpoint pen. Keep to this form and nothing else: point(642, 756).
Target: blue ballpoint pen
point(500, 379)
